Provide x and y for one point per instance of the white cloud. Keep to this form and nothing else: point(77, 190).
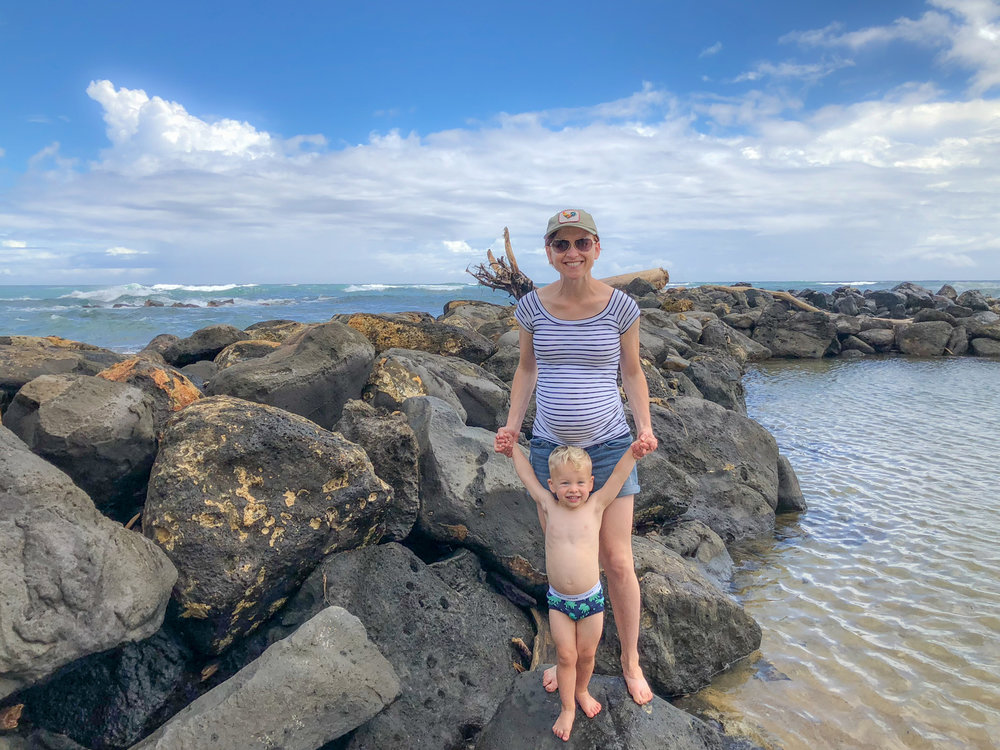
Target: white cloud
point(458, 247)
point(13, 243)
point(804, 71)
point(713, 50)
point(124, 251)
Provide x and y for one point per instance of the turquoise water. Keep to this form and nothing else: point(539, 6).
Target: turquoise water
point(881, 603)
point(89, 313)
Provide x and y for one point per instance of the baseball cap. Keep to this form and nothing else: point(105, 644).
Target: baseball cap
point(571, 217)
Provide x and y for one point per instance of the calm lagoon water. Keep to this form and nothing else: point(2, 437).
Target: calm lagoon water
point(880, 605)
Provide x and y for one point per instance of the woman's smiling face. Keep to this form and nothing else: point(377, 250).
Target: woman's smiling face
point(573, 262)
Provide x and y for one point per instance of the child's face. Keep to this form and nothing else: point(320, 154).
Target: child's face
point(570, 485)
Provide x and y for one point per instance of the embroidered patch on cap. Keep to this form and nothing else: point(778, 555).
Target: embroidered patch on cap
point(569, 217)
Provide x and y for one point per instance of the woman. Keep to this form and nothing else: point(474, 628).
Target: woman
point(575, 333)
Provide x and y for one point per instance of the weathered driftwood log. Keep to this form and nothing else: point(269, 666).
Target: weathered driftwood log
point(500, 275)
point(658, 277)
point(507, 277)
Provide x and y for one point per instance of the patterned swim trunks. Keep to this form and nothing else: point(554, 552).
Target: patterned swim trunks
point(577, 606)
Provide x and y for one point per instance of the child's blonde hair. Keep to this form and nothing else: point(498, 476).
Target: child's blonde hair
point(578, 458)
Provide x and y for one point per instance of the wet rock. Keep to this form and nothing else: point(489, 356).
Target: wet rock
point(689, 629)
point(392, 448)
point(241, 351)
point(948, 291)
point(169, 389)
point(790, 499)
point(200, 373)
point(719, 378)
point(312, 374)
point(399, 374)
point(471, 497)
point(74, 582)
point(490, 320)
point(445, 632)
point(321, 682)
point(698, 544)
point(24, 358)
point(717, 335)
point(923, 339)
point(880, 339)
point(524, 721)
point(916, 295)
point(794, 334)
point(733, 460)
point(973, 299)
point(958, 342)
point(99, 432)
point(414, 330)
point(853, 342)
point(985, 347)
point(113, 699)
point(278, 331)
point(245, 499)
point(205, 343)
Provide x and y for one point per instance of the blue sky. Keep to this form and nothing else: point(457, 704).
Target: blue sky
point(389, 142)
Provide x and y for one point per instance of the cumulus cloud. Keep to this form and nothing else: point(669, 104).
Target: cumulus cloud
point(711, 187)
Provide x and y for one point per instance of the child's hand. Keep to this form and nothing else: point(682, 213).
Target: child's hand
point(504, 442)
point(641, 448)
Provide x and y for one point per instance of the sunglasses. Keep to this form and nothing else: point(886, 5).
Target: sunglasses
point(583, 244)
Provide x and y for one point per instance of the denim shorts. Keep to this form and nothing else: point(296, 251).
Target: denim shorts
point(603, 456)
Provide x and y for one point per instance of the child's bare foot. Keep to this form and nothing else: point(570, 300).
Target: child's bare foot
point(564, 724)
point(588, 705)
point(638, 688)
point(549, 680)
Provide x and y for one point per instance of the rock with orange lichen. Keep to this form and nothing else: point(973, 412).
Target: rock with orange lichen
point(168, 388)
point(24, 358)
point(245, 500)
point(241, 351)
point(417, 330)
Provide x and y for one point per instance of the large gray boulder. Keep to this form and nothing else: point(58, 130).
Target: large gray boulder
point(719, 336)
point(490, 320)
point(524, 721)
point(698, 544)
point(168, 388)
point(925, 339)
point(879, 339)
point(719, 378)
point(795, 334)
point(790, 499)
point(306, 690)
point(312, 374)
point(74, 582)
point(690, 630)
point(392, 448)
point(24, 358)
point(445, 632)
point(471, 497)
point(245, 499)
point(733, 460)
point(99, 432)
point(204, 343)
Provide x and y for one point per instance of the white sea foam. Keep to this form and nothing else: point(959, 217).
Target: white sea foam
point(424, 287)
point(199, 288)
point(846, 283)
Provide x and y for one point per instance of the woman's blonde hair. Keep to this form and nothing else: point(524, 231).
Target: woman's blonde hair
point(578, 458)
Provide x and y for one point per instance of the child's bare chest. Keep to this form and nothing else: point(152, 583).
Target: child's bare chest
point(580, 526)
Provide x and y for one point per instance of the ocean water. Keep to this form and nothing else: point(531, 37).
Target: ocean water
point(118, 316)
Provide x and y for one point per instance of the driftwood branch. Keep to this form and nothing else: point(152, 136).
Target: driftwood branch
point(503, 273)
point(776, 294)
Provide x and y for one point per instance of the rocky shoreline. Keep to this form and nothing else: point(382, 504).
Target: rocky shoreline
point(298, 535)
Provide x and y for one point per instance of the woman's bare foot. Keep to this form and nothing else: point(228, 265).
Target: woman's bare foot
point(564, 724)
point(588, 705)
point(549, 680)
point(638, 688)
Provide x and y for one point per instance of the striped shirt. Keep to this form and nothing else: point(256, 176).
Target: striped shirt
point(577, 400)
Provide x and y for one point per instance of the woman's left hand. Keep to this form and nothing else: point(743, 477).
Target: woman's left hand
point(648, 439)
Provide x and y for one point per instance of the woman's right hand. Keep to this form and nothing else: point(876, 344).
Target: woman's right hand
point(505, 440)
